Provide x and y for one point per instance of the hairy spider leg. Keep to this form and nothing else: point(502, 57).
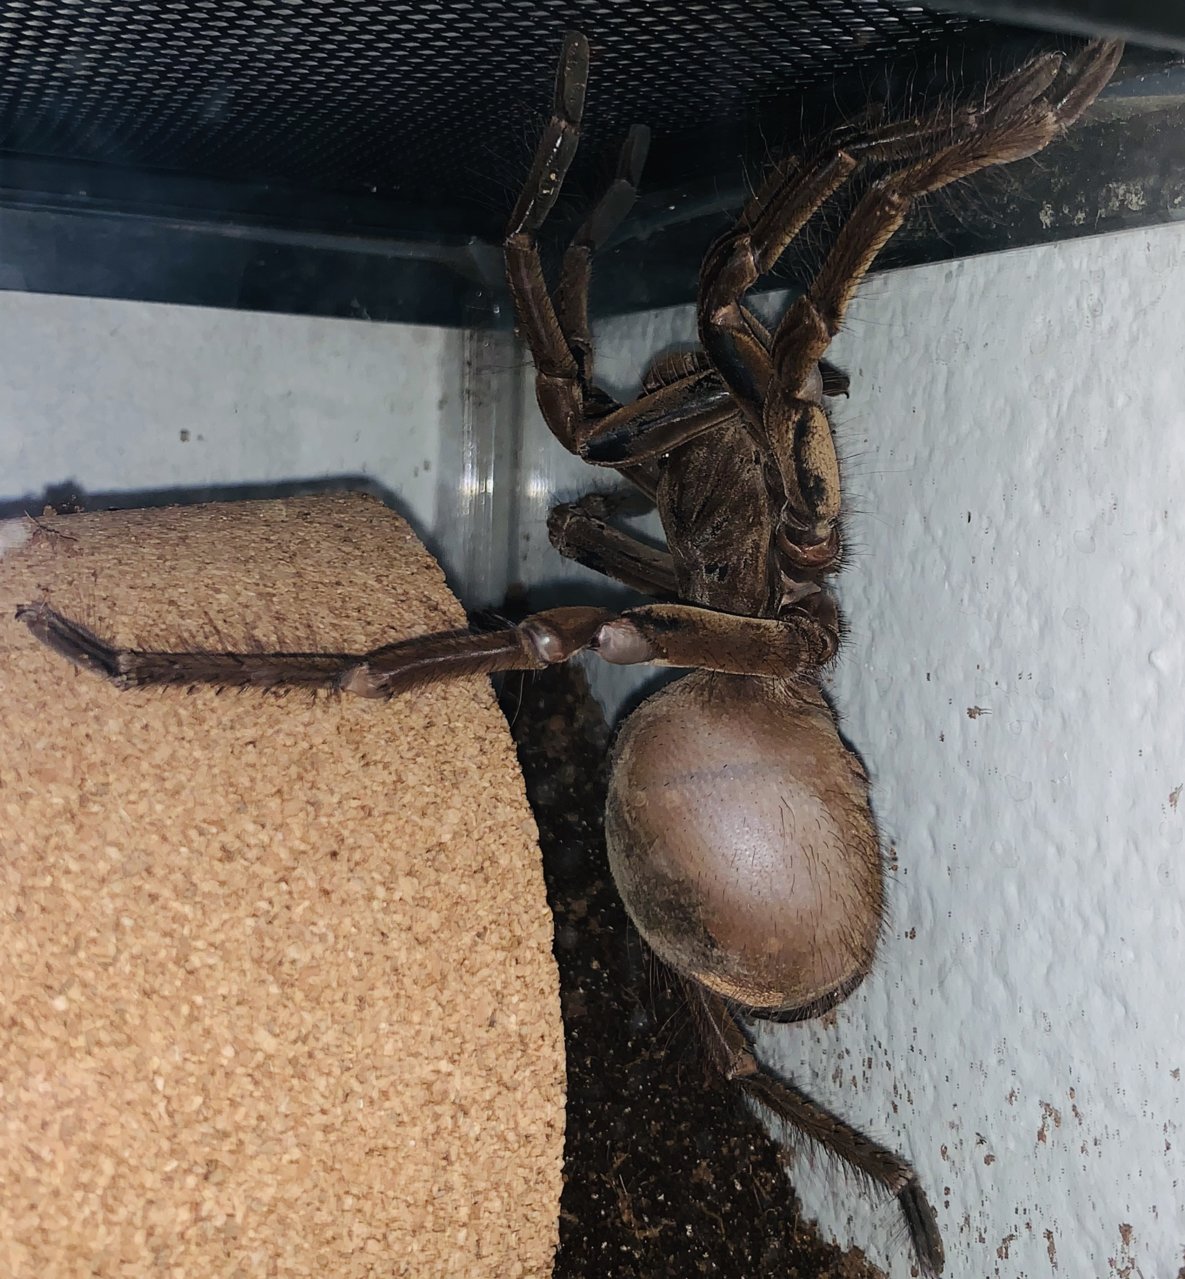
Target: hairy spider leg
point(580, 531)
point(777, 385)
point(790, 195)
point(731, 1053)
point(557, 332)
point(675, 410)
point(559, 337)
point(655, 634)
point(571, 298)
point(684, 397)
point(792, 192)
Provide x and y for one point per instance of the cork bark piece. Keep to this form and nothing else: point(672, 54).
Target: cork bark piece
point(277, 995)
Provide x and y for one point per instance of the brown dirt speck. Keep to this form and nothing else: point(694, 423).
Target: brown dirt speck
point(1049, 1114)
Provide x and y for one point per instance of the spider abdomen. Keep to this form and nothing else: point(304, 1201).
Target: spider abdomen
point(742, 842)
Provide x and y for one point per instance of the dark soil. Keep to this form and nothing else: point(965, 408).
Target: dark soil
point(666, 1172)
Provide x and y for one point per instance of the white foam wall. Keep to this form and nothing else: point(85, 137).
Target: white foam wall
point(1016, 473)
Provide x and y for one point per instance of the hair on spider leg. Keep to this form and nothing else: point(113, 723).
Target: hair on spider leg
point(510, 687)
point(249, 643)
point(84, 606)
point(491, 187)
point(485, 620)
point(43, 529)
point(857, 467)
point(850, 419)
point(661, 984)
point(861, 509)
point(971, 204)
point(647, 987)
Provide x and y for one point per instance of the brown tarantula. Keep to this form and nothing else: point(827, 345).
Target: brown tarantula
point(738, 823)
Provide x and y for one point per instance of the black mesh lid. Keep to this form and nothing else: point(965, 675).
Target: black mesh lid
point(430, 102)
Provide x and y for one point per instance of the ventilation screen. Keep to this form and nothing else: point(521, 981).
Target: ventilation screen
point(430, 102)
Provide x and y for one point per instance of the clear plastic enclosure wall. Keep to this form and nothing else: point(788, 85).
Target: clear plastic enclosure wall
point(1015, 459)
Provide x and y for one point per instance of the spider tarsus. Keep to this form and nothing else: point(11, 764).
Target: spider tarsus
point(1083, 77)
point(571, 81)
point(632, 160)
point(71, 640)
point(1023, 87)
point(558, 144)
point(923, 1228)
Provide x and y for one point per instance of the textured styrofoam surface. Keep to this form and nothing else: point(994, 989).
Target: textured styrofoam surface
point(1015, 677)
